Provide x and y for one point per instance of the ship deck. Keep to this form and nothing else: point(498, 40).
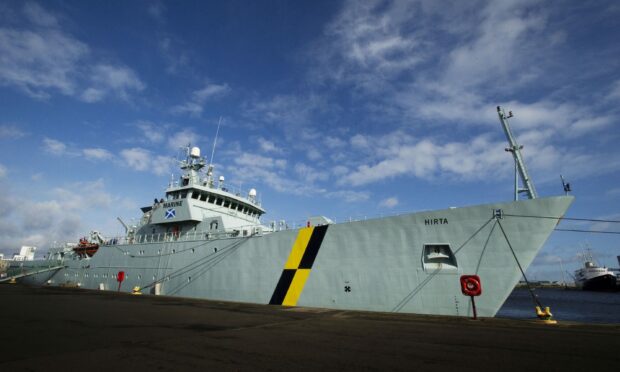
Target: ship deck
point(93, 331)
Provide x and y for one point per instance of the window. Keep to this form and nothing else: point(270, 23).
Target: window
point(203, 197)
point(219, 201)
point(226, 203)
point(195, 194)
point(233, 206)
point(184, 195)
point(211, 199)
point(240, 207)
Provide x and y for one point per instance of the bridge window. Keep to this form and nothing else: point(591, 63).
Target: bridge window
point(203, 197)
point(219, 201)
point(226, 203)
point(211, 199)
point(184, 195)
point(195, 194)
point(233, 206)
point(240, 207)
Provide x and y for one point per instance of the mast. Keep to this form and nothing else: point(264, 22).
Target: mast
point(515, 149)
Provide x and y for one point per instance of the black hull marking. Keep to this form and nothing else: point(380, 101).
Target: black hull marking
point(313, 247)
point(283, 284)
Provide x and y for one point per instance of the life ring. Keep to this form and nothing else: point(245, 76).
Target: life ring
point(470, 285)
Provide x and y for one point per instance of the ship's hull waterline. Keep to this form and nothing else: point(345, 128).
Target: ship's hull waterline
point(408, 263)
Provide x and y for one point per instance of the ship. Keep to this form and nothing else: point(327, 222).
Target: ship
point(592, 277)
point(206, 240)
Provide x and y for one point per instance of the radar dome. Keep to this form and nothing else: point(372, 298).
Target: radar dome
point(221, 178)
point(252, 193)
point(195, 152)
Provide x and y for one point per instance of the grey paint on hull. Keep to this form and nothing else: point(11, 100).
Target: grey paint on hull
point(373, 265)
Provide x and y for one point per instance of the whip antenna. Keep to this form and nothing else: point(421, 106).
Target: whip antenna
point(215, 141)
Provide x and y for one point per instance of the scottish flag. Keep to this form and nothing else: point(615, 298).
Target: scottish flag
point(170, 213)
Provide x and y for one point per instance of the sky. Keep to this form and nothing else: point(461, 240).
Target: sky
point(348, 109)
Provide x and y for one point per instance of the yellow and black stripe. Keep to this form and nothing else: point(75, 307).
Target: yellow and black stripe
point(297, 268)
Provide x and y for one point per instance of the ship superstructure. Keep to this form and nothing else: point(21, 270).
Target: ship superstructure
point(203, 240)
point(196, 204)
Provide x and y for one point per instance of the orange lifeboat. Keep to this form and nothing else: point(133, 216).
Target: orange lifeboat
point(86, 248)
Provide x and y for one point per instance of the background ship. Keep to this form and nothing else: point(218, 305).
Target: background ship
point(206, 241)
point(592, 277)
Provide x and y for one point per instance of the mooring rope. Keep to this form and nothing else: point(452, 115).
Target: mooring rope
point(519, 264)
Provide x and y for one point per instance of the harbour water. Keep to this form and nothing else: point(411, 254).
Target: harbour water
point(568, 305)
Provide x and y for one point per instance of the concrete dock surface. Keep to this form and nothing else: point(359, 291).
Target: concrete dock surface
point(53, 329)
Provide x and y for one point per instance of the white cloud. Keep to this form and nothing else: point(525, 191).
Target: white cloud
point(106, 80)
point(162, 165)
point(183, 138)
point(369, 44)
point(348, 196)
point(268, 146)
point(41, 59)
point(38, 62)
point(195, 106)
point(97, 154)
point(293, 114)
point(144, 160)
point(309, 174)
point(248, 159)
point(175, 57)
point(339, 170)
point(614, 92)
point(151, 132)
point(156, 10)
point(137, 158)
point(359, 141)
point(39, 16)
point(313, 154)
point(334, 142)
point(11, 132)
point(389, 202)
point(54, 147)
point(60, 216)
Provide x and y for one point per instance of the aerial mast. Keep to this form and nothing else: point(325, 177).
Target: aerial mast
point(515, 150)
point(210, 168)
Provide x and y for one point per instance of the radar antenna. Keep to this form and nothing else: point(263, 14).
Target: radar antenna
point(515, 150)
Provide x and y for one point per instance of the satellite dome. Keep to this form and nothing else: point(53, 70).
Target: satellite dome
point(195, 152)
point(252, 193)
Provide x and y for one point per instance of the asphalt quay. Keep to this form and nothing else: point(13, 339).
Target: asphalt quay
point(68, 329)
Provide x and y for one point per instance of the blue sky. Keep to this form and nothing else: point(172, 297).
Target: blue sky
point(335, 108)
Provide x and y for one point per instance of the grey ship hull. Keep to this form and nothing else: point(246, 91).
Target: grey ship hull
point(409, 263)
